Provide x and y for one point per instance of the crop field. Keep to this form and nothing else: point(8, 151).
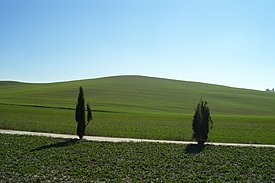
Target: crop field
point(140, 107)
point(35, 159)
point(171, 127)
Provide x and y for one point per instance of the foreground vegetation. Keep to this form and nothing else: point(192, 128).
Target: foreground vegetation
point(34, 159)
point(140, 107)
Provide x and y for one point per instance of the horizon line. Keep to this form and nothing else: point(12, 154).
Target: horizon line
point(123, 75)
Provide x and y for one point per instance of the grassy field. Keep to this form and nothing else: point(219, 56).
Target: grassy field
point(140, 107)
point(36, 159)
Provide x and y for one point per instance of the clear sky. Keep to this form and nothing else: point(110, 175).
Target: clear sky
point(227, 42)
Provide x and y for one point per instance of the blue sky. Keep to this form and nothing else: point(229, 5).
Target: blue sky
point(227, 42)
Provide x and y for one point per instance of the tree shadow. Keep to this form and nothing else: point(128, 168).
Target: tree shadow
point(56, 145)
point(194, 148)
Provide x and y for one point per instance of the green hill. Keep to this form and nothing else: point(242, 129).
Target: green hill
point(137, 94)
point(128, 104)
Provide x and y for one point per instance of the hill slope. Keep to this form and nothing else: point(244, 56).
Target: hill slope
point(138, 94)
point(139, 107)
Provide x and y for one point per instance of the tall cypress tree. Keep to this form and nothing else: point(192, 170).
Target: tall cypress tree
point(80, 114)
point(201, 122)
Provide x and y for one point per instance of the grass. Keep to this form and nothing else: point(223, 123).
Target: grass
point(171, 127)
point(140, 107)
point(36, 159)
point(136, 94)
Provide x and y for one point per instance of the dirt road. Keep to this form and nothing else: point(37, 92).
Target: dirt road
point(114, 139)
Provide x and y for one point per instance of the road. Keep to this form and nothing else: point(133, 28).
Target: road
point(114, 139)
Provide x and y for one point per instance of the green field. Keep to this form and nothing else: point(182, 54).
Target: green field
point(140, 107)
point(42, 159)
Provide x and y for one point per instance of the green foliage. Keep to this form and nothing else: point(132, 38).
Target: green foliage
point(42, 159)
point(201, 122)
point(80, 114)
point(89, 115)
point(80, 107)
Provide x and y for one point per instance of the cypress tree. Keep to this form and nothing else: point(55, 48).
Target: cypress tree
point(80, 114)
point(201, 122)
point(89, 115)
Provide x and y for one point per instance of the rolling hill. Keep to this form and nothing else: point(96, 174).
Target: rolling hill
point(138, 94)
point(138, 106)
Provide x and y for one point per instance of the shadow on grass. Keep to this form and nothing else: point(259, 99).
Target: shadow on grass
point(56, 145)
point(194, 148)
